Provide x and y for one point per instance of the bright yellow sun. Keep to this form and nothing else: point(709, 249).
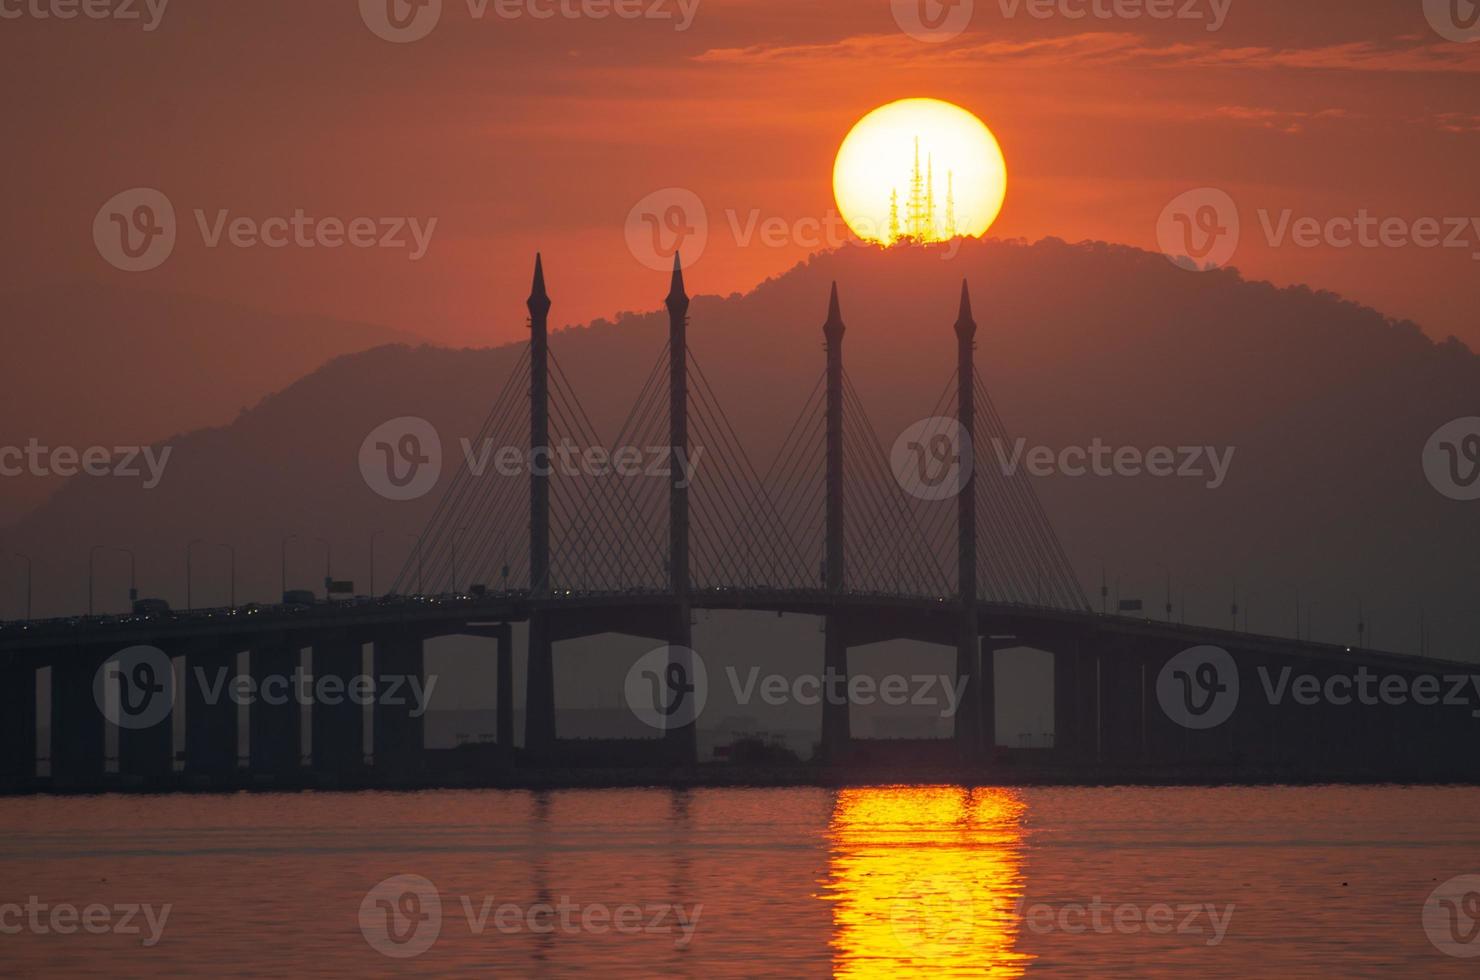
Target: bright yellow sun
point(919, 169)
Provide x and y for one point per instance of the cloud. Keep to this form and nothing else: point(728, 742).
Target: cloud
point(1102, 48)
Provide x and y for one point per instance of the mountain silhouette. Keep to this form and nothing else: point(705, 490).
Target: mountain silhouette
point(127, 366)
point(1326, 407)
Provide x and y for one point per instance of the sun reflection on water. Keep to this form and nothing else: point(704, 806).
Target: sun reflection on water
point(926, 880)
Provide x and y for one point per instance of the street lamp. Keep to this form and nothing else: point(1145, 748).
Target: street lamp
point(133, 591)
point(1233, 603)
point(1361, 620)
point(1169, 589)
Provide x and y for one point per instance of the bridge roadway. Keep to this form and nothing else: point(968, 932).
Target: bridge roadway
point(1110, 699)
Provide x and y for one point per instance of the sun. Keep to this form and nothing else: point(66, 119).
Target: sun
point(921, 170)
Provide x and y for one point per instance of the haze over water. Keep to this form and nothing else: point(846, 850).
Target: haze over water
point(796, 882)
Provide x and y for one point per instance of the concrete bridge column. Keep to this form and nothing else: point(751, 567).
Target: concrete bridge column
point(837, 724)
point(275, 716)
point(539, 688)
point(17, 721)
point(1073, 702)
point(338, 745)
point(211, 712)
point(77, 724)
point(400, 736)
point(969, 740)
point(146, 752)
point(987, 695)
point(505, 693)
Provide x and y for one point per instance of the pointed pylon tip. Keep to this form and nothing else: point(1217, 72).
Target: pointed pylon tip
point(539, 273)
point(676, 294)
point(539, 300)
point(965, 301)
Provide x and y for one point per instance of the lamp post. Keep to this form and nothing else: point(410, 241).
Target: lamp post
point(1361, 620)
point(1233, 604)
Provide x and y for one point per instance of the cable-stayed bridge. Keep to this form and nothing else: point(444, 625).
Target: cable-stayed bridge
point(632, 534)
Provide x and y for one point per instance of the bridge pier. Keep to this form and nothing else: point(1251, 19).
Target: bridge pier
point(539, 688)
point(1074, 701)
point(968, 665)
point(338, 713)
point(986, 695)
point(275, 717)
point(837, 722)
point(399, 722)
point(17, 721)
point(77, 725)
point(146, 755)
point(504, 717)
point(211, 712)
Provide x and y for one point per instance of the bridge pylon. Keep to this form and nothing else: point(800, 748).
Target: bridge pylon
point(681, 740)
point(836, 722)
point(539, 702)
point(969, 736)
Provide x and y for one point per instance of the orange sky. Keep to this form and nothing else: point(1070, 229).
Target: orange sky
point(524, 134)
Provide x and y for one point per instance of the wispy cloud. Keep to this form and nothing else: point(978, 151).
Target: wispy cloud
point(1102, 48)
